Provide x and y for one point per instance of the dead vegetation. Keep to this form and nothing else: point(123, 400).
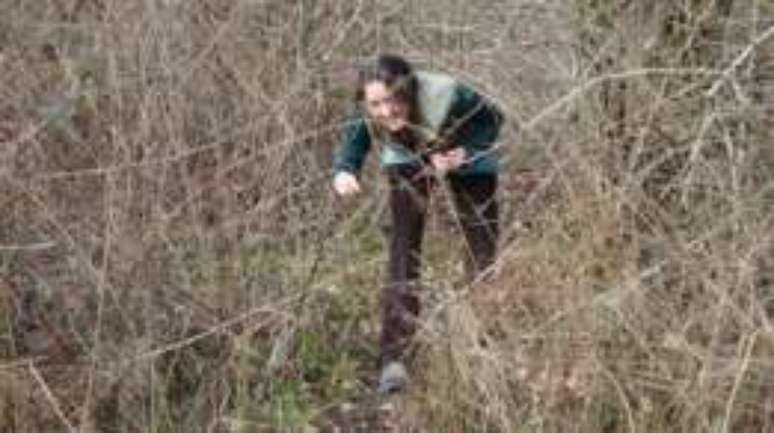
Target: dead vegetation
point(172, 258)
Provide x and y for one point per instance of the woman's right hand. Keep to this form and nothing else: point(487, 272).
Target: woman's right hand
point(448, 160)
point(346, 184)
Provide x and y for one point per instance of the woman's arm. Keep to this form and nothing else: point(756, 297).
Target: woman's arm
point(354, 147)
point(474, 122)
point(350, 156)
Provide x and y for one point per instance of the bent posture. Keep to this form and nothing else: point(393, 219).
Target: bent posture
point(430, 127)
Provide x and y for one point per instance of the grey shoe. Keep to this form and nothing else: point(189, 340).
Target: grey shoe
point(393, 378)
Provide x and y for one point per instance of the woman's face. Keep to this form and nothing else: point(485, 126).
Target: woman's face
point(384, 107)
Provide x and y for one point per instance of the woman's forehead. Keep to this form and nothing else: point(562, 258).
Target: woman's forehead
point(377, 90)
point(381, 89)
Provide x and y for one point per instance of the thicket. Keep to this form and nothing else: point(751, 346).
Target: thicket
point(172, 257)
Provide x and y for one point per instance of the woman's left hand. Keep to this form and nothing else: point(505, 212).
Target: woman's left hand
point(448, 160)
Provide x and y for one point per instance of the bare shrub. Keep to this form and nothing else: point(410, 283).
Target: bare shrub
point(172, 258)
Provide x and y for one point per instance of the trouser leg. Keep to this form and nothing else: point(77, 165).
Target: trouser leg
point(477, 211)
point(399, 298)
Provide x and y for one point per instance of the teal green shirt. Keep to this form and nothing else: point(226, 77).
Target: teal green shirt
point(450, 110)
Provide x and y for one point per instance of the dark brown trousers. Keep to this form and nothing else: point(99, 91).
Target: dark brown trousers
point(476, 211)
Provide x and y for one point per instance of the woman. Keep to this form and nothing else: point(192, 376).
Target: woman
point(431, 127)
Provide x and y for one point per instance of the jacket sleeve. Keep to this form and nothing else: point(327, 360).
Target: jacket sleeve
point(474, 122)
point(354, 146)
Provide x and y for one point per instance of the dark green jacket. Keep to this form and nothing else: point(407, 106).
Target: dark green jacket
point(452, 113)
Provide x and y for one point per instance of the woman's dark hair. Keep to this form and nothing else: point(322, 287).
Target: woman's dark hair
point(398, 75)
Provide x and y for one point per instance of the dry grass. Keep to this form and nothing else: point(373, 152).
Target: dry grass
point(172, 258)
